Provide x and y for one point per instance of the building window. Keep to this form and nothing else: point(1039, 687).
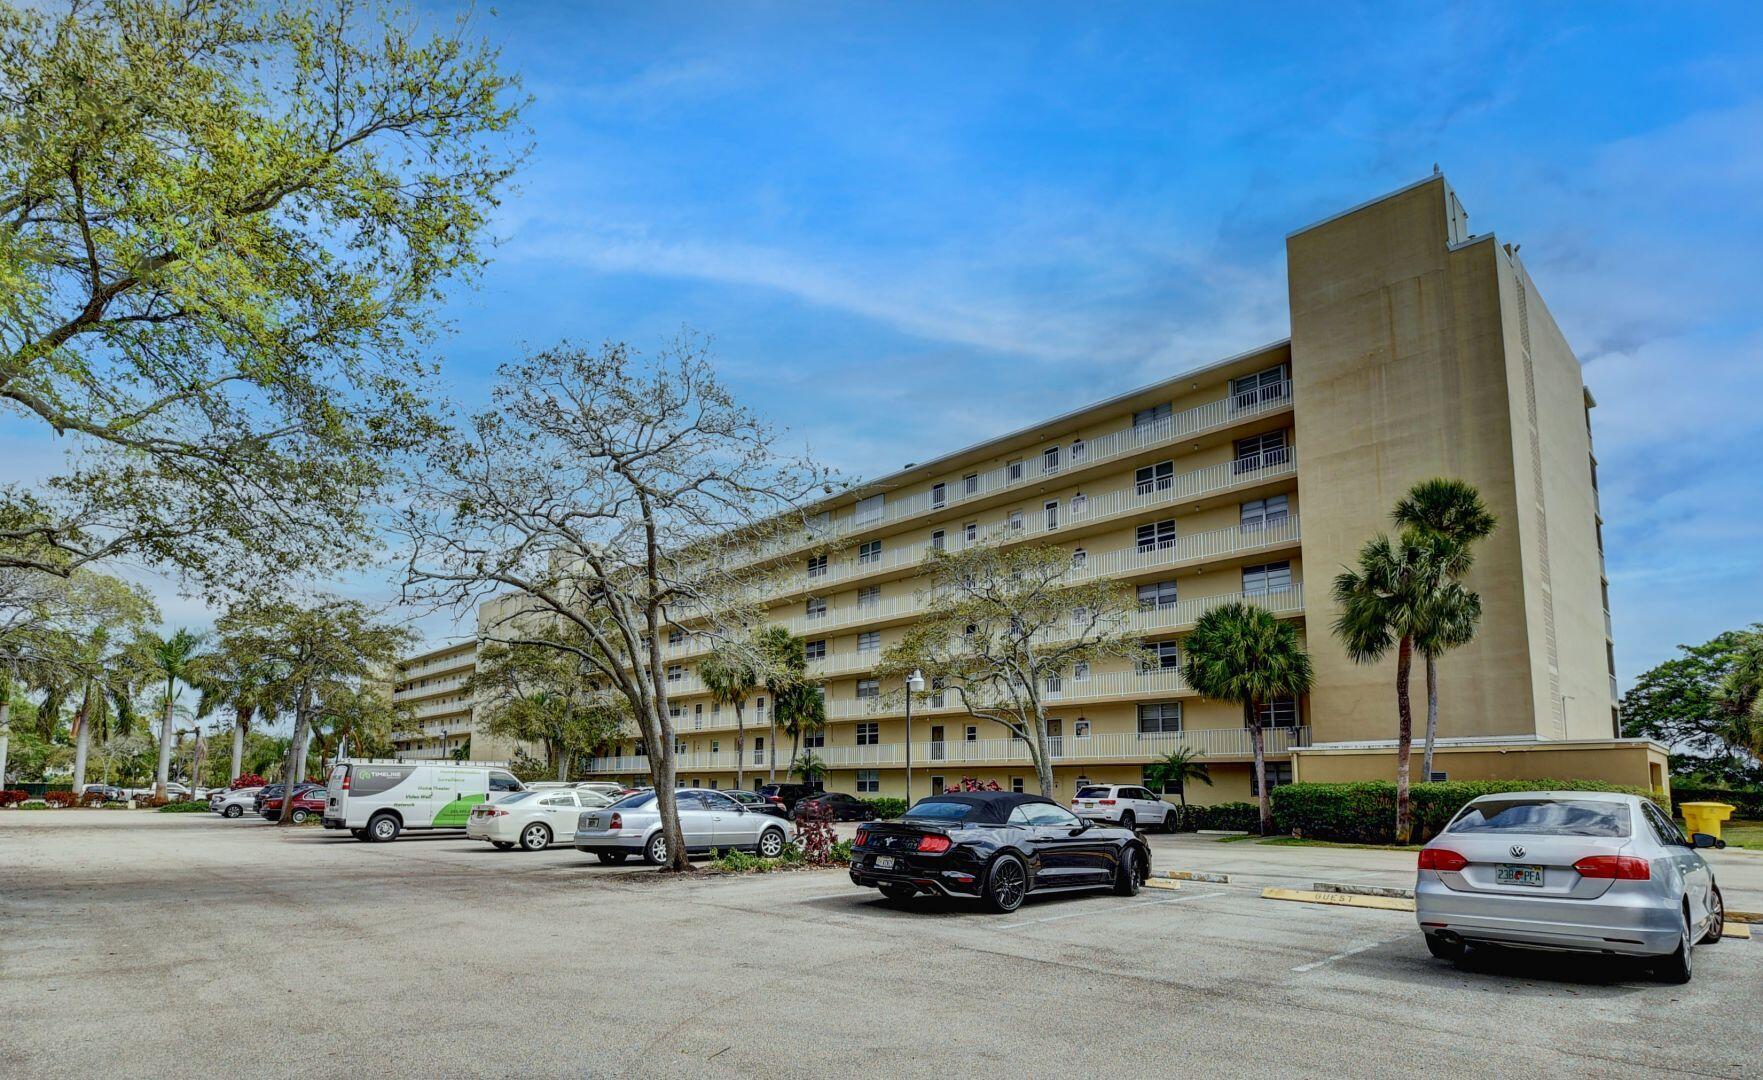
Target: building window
point(1013, 471)
point(759, 707)
point(676, 636)
point(1159, 656)
point(1278, 773)
point(816, 566)
point(869, 596)
point(936, 785)
point(869, 509)
point(814, 740)
point(970, 532)
point(679, 746)
point(815, 650)
point(1158, 477)
point(936, 540)
point(973, 733)
point(869, 641)
point(1261, 513)
point(939, 495)
point(1157, 535)
point(1016, 781)
point(970, 484)
point(868, 734)
point(1281, 712)
point(1259, 388)
point(815, 607)
point(1156, 594)
point(1171, 788)
point(1160, 718)
point(1147, 417)
point(1266, 578)
point(1079, 558)
point(868, 688)
point(715, 746)
point(1078, 451)
point(1014, 521)
point(1261, 451)
point(1051, 507)
point(1080, 671)
point(1437, 777)
point(819, 523)
point(1050, 459)
point(675, 673)
point(869, 551)
point(868, 781)
point(713, 783)
point(1053, 683)
point(758, 749)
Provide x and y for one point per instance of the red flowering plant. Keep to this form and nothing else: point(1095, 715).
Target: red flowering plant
point(11, 796)
point(968, 783)
point(59, 798)
point(814, 831)
point(249, 779)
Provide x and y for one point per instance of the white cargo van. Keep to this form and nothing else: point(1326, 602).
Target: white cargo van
point(377, 800)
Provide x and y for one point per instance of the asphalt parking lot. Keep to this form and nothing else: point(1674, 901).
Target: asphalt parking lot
point(150, 945)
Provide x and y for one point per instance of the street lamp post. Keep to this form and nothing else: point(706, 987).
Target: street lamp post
point(914, 685)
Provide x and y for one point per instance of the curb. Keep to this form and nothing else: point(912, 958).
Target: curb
point(1197, 875)
point(1744, 916)
point(1735, 930)
point(1363, 890)
point(1338, 899)
point(1161, 883)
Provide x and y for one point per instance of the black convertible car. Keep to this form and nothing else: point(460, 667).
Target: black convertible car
point(998, 846)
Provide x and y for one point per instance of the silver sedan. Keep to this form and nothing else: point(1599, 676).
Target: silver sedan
point(709, 820)
point(1575, 871)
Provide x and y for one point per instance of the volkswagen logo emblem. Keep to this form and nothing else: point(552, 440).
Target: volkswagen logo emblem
point(1517, 851)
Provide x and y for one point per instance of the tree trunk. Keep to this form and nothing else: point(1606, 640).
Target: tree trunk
point(82, 743)
point(1252, 720)
point(1043, 757)
point(740, 748)
point(771, 767)
point(5, 723)
point(562, 757)
point(241, 720)
point(1404, 735)
point(163, 776)
point(296, 763)
point(1432, 716)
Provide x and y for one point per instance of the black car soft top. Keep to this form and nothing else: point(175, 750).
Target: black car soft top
point(989, 807)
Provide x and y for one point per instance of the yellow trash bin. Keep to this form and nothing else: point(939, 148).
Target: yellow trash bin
point(1705, 816)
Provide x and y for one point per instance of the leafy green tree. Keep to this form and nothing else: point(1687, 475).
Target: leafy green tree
point(172, 660)
point(1740, 696)
point(1451, 511)
point(731, 674)
point(238, 680)
point(1178, 767)
point(538, 695)
point(224, 228)
point(808, 766)
point(798, 706)
point(1244, 653)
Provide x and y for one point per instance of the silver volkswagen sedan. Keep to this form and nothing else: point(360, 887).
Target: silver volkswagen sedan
point(709, 820)
point(1575, 871)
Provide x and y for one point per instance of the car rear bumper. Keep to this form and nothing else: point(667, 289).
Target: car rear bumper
point(940, 878)
point(602, 840)
point(1637, 926)
point(1111, 814)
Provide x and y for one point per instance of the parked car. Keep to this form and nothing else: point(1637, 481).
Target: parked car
point(1579, 871)
point(110, 792)
point(308, 802)
point(1125, 805)
point(838, 805)
point(274, 791)
point(788, 795)
point(232, 804)
point(752, 800)
point(708, 819)
point(377, 800)
point(999, 846)
point(534, 819)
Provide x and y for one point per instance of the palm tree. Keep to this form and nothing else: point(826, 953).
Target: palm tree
point(1178, 767)
point(731, 677)
point(801, 710)
point(1453, 511)
point(1740, 694)
point(1244, 653)
point(176, 659)
point(785, 660)
point(234, 679)
point(808, 767)
point(1387, 602)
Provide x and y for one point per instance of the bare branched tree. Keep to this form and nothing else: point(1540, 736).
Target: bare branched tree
point(999, 624)
point(615, 494)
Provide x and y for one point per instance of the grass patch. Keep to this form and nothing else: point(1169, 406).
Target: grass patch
point(1239, 838)
point(1739, 834)
point(1302, 841)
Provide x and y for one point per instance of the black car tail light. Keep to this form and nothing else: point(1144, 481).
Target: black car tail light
point(933, 845)
point(862, 837)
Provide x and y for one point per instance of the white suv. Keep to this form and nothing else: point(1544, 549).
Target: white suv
point(1131, 807)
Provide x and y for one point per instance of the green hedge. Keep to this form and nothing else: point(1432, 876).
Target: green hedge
point(887, 807)
point(1746, 804)
point(187, 807)
point(1365, 812)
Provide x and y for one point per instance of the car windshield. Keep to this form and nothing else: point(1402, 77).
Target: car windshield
point(1544, 817)
point(935, 810)
point(631, 802)
point(517, 797)
point(1095, 793)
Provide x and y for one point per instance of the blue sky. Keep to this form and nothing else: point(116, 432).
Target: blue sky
point(908, 227)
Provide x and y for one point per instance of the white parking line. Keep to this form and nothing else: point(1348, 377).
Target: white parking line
point(1112, 910)
point(1325, 961)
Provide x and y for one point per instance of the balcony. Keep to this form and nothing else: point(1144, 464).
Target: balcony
point(1213, 743)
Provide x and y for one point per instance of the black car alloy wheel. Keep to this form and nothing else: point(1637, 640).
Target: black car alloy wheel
point(1006, 884)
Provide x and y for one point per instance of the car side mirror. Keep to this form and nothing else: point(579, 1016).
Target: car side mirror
point(1706, 840)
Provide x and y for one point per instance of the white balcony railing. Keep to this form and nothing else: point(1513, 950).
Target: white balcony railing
point(1210, 742)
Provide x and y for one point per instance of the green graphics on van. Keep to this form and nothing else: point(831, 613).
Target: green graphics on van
point(453, 814)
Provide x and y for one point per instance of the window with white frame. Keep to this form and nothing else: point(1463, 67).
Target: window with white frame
point(1051, 509)
point(1160, 718)
point(970, 484)
point(1013, 521)
point(970, 532)
point(1259, 388)
point(679, 746)
point(759, 709)
point(1050, 459)
point(1158, 477)
point(1147, 417)
point(869, 688)
point(758, 749)
point(1053, 683)
point(1278, 774)
point(938, 692)
point(869, 596)
point(1013, 471)
point(1079, 503)
point(868, 734)
point(815, 650)
point(1078, 451)
point(868, 781)
point(1159, 656)
point(716, 746)
point(1262, 513)
point(1158, 787)
point(869, 641)
point(869, 551)
point(1156, 535)
point(814, 607)
point(1267, 578)
point(1016, 784)
point(1079, 558)
point(814, 740)
point(816, 566)
point(676, 636)
point(1156, 594)
point(939, 494)
point(869, 509)
point(1080, 728)
point(1260, 451)
point(1080, 671)
point(1280, 712)
point(938, 540)
point(675, 673)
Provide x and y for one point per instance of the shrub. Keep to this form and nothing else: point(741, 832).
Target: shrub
point(887, 807)
point(1745, 804)
point(93, 798)
point(1365, 812)
point(12, 797)
point(248, 780)
point(815, 831)
point(1230, 816)
point(190, 807)
point(60, 798)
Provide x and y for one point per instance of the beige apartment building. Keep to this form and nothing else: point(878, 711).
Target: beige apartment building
point(432, 685)
point(1418, 348)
